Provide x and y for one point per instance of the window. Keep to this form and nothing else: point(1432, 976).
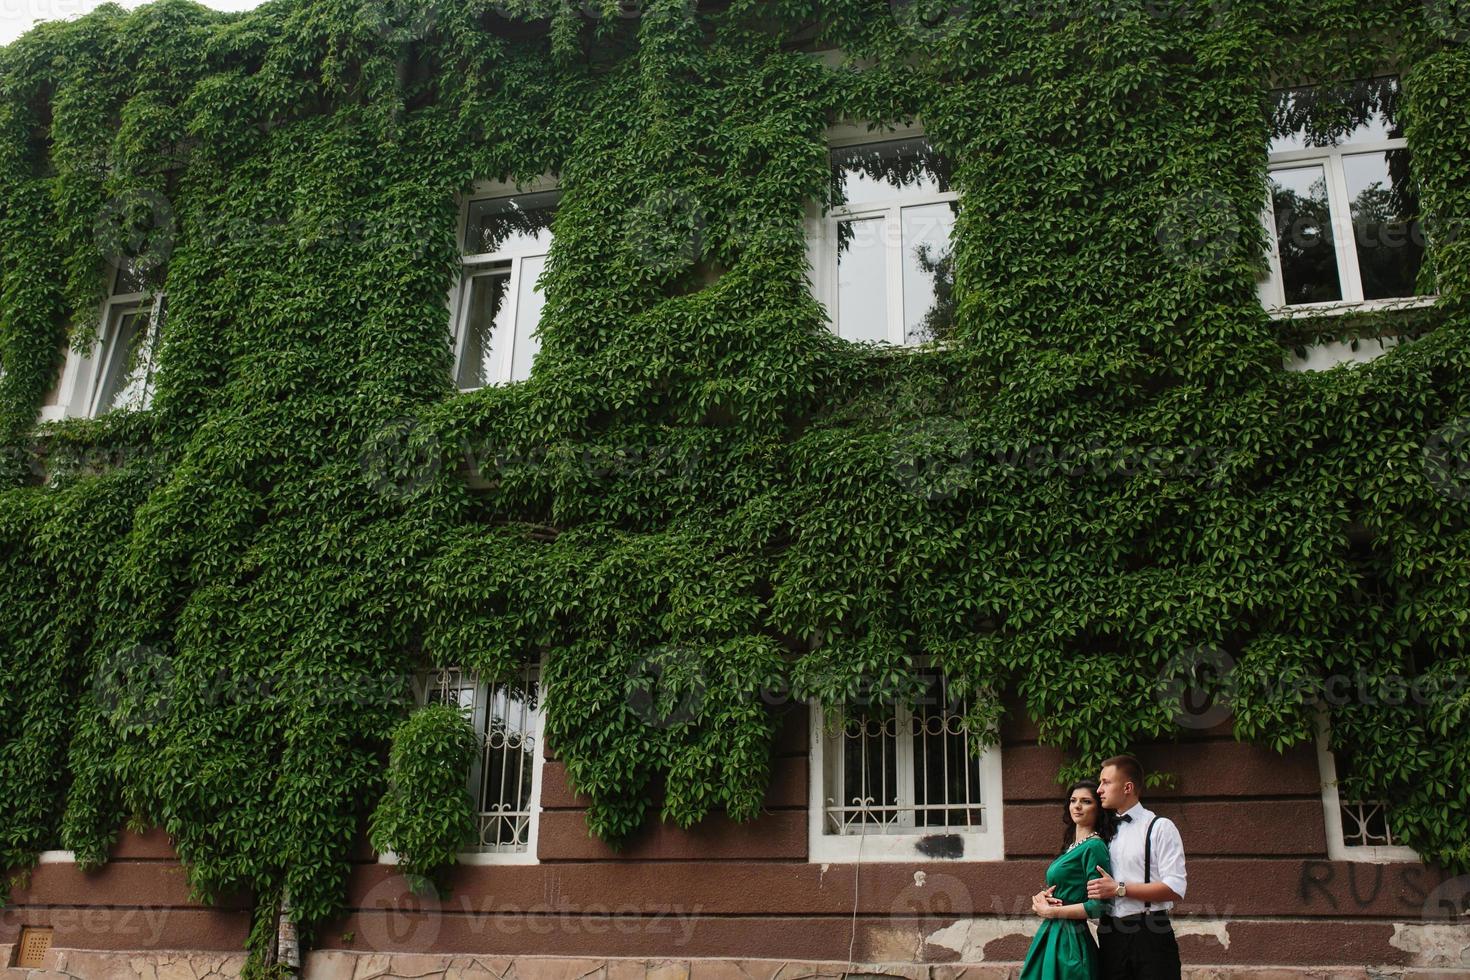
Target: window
point(121, 369)
point(1342, 211)
point(505, 779)
point(497, 306)
point(125, 367)
point(904, 785)
point(1357, 830)
point(882, 256)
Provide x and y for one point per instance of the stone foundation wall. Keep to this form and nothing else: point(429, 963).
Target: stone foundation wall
point(68, 964)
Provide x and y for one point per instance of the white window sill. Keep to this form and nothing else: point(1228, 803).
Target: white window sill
point(57, 857)
point(1308, 310)
point(1374, 855)
point(889, 349)
point(477, 858)
point(902, 848)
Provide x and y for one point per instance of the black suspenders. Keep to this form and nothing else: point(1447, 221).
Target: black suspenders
point(1148, 844)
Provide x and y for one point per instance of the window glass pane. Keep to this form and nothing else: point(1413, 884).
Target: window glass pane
point(127, 378)
point(928, 272)
point(1335, 115)
point(484, 317)
point(869, 770)
point(946, 772)
point(862, 280)
point(1304, 235)
point(510, 224)
point(1386, 230)
point(528, 316)
point(128, 280)
point(884, 171)
point(509, 743)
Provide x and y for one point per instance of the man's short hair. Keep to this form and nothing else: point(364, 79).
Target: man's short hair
point(1129, 767)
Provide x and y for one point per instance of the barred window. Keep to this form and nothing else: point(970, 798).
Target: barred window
point(907, 771)
point(1365, 824)
point(1357, 829)
point(502, 778)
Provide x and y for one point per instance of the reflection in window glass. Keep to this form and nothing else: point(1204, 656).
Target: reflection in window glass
point(869, 771)
point(1304, 235)
point(509, 745)
point(485, 312)
point(128, 280)
point(1386, 230)
point(873, 171)
point(528, 315)
point(53, 396)
point(127, 378)
point(862, 280)
point(510, 224)
point(1335, 115)
point(928, 272)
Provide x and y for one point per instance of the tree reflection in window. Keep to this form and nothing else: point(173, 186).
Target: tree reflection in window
point(896, 216)
point(1360, 182)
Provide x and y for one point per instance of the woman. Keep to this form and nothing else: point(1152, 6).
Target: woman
point(1063, 948)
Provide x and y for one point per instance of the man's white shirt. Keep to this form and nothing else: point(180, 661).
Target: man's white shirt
point(1166, 858)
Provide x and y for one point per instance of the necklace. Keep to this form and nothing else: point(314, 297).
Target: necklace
point(1083, 840)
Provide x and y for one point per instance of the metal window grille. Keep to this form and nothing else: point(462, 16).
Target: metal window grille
point(1365, 824)
point(905, 771)
point(505, 715)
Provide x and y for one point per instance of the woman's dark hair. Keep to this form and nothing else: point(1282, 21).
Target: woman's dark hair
point(1107, 821)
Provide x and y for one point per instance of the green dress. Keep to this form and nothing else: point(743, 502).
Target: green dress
point(1063, 948)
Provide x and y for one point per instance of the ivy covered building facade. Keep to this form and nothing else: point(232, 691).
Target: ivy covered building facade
point(561, 487)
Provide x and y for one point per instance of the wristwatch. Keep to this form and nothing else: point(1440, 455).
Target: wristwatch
point(1122, 890)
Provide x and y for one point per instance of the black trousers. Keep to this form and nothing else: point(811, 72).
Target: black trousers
point(1138, 947)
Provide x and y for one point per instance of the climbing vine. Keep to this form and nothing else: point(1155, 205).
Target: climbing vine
point(702, 506)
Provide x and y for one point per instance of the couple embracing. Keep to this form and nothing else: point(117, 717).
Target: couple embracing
point(1120, 864)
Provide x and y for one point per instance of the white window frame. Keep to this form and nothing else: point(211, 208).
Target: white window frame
point(538, 761)
point(1337, 848)
point(1350, 282)
point(822, 234)
point(472, 265)
point(82, 374)
point(986, 843)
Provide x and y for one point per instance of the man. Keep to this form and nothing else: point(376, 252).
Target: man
point(1136, 941)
